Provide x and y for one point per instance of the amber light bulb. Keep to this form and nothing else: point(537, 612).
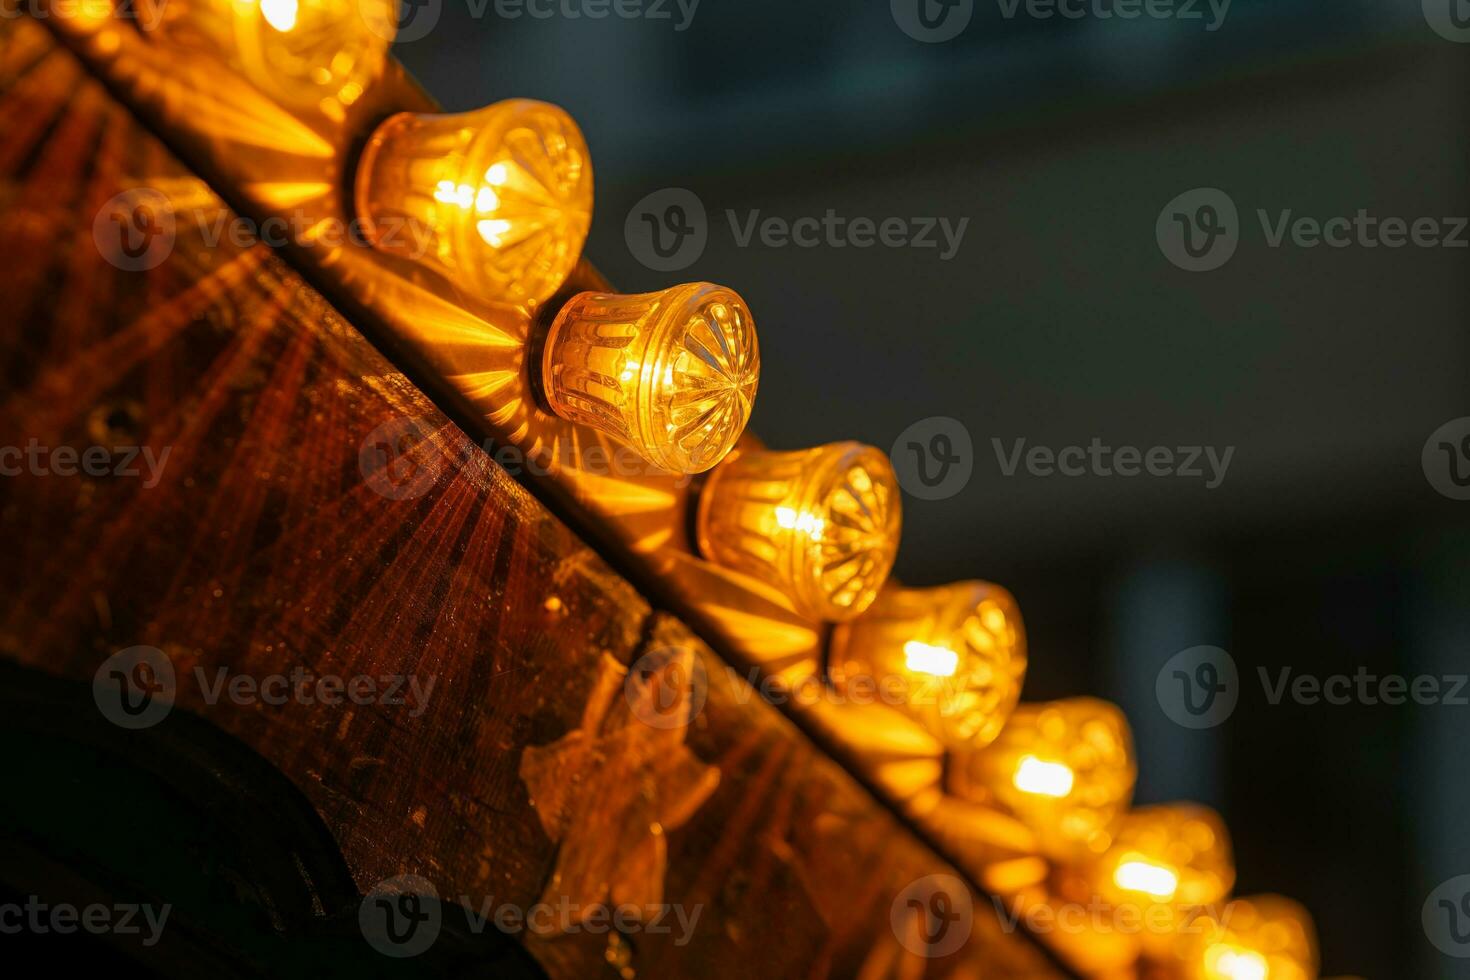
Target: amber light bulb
point(673, 373)
point(301, 53)
point(1264, 937)
point(820, 525)
point(958, 652)
point(1173, 861)
point(1063, 768)
point(498, 200)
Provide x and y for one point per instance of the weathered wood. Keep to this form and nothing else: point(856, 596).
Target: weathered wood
point(278, 529)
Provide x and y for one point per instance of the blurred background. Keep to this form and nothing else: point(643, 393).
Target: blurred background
point(1324, 549)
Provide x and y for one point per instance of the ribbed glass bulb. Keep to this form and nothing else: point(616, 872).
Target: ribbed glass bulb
point(673, 374)
point(498, 200)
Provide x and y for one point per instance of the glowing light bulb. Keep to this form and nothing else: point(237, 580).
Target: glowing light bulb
point(1063, 768)
point(498, 200)
point(1260, 938)
point(1229, 962)
point(819, 525)
point(673, 374)
point(304, 53)
point(1138, 874)
point(1042, 778)
point(1172, 862)
point(958, 650)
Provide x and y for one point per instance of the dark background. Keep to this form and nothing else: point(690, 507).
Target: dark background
point(1325, 549)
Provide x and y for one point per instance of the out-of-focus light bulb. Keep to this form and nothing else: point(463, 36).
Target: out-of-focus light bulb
point(673, 374)
point(307, 52)
point(498, 200)
point(819, 525)
point(956, 654)
point(1041, 778)
point(1264, 937)
point(1063, 768)
point(1173, 862)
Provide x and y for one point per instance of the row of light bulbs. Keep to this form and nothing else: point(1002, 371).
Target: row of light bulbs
point(506, 193)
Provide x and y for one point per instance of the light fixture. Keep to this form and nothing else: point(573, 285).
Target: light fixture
point(1265, 937)
point(1173, 862)
point(1063, 768)
point(320, 54)
point(819, 525)
point(498, 200)
point(672, 373)
point(955, 654)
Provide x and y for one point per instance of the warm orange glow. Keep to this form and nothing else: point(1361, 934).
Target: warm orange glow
point(280, 14)
point(936, 661)
point(1261, 938)
point(1043, 778)
point(498, 201)
point(305, 54)
point(820, 526)
point(958, 650)
point(1227, 962)
point(1064, 769)
point(673, 374)
point(1136, 874)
